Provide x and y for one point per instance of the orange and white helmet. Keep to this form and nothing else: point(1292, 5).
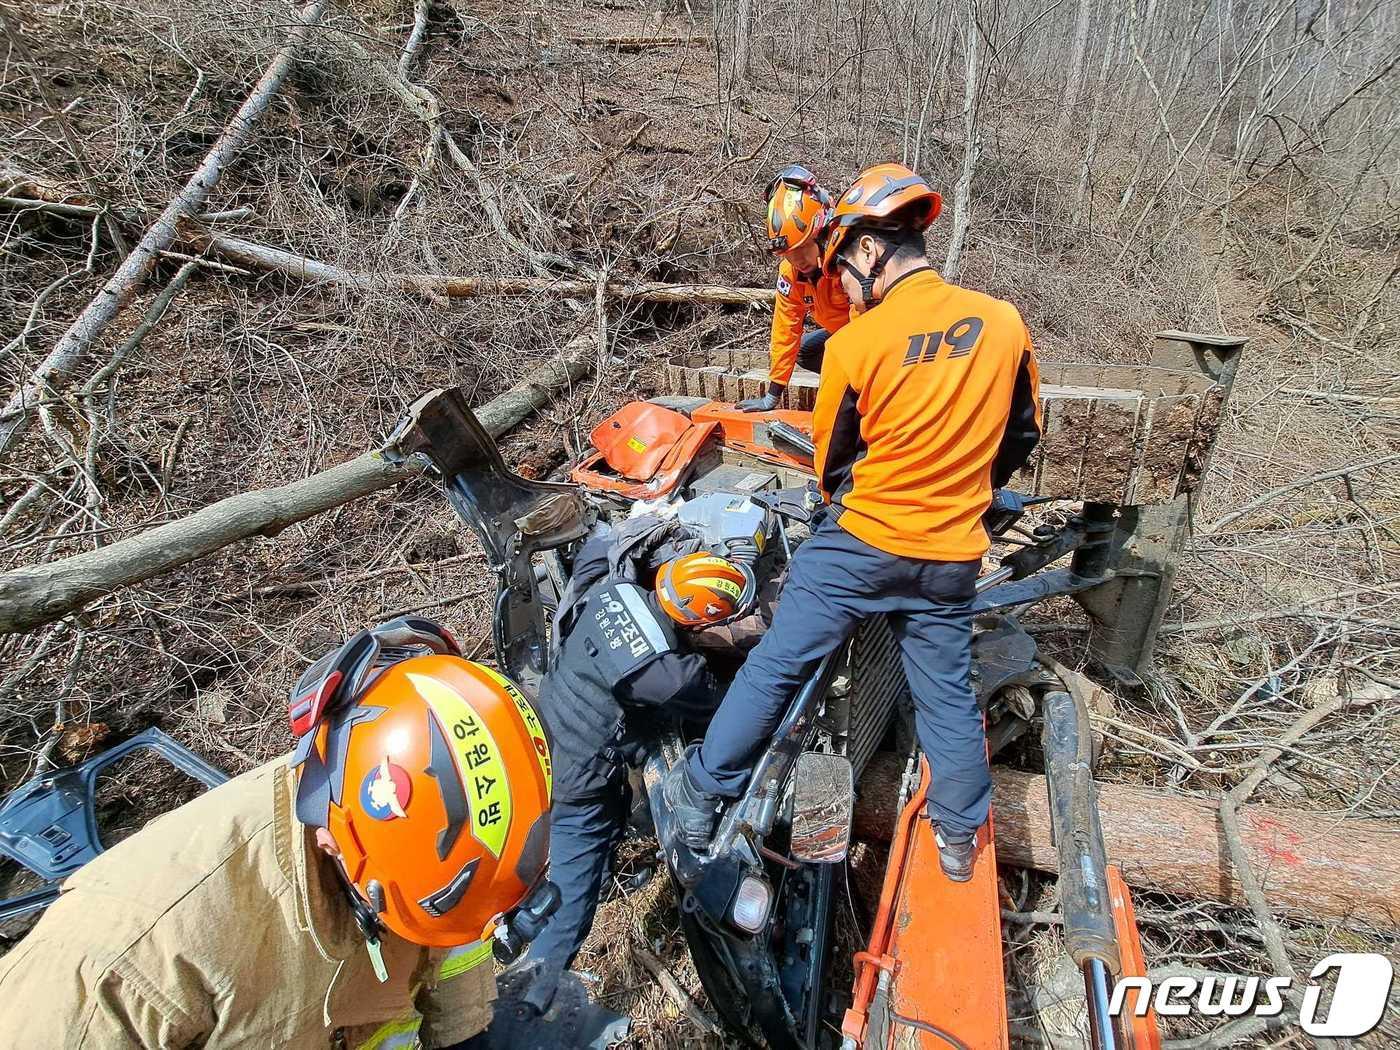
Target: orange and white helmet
point(798, 209)
point(432, 775)
point(885, 197)
point(702, 589)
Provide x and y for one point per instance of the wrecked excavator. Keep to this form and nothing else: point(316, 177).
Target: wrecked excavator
point(1123, 452)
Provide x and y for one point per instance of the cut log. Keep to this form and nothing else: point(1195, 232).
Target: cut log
point(124, 283)
point(1311, 865)
point(39, 594)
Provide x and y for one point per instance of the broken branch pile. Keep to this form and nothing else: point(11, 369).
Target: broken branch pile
point(27, 193)
point(128, 278)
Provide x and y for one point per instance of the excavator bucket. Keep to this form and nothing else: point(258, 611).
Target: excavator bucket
point(932, 975)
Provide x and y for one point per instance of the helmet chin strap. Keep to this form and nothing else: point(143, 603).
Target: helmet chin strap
point(370, 925)
point(867, 281)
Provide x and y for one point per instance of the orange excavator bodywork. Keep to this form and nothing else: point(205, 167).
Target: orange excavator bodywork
point(645, 451)
point(1142, 1031)
point(932, 974)
point(748, 431)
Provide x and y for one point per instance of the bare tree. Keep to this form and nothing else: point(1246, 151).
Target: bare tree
point(972, 144)
point(1074, 82)
point(123, 284)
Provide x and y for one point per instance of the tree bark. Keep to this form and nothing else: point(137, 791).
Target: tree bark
point(972, 146)
point(1311, 865)
point(1074, 84)
point(251, 255)
point(39, 594)
point(421, 11)
point(123, 284)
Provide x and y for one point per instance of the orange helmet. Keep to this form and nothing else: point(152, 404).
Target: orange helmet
point(703, 589)
point(885, 197)
point(432, 775)
point(797, 208)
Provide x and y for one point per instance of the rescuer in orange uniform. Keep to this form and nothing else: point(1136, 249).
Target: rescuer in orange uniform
point(798, 210)
point(928, 401)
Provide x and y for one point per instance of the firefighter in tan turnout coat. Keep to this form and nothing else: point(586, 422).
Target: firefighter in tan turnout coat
point(344, 897)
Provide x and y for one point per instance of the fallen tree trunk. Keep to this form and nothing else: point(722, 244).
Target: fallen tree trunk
point(252, 255)
point(640, 43)
point(123, 284)
point(1310, 865)
point(39, 594)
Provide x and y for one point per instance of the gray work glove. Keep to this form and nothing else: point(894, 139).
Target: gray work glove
point(766, 403)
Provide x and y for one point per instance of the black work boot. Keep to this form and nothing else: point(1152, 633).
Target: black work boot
point(956, 853)
point(691, 810)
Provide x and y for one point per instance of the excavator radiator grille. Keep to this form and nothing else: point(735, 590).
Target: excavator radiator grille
point(878, 688)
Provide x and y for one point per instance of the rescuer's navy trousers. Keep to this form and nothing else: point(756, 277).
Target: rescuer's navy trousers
point(812, 349)
point(835, 582)
point(582, 837)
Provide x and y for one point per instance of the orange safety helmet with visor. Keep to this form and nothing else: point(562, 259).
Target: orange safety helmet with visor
point(798, 209)
point(704, 590)
point(887, 198)
point(432, 776)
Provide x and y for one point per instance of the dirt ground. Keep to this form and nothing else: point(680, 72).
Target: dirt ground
point(639, 164)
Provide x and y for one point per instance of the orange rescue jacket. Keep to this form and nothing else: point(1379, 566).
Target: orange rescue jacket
point(927, 401)
point(797, 297)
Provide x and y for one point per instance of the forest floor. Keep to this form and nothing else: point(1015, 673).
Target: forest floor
point(627, 159)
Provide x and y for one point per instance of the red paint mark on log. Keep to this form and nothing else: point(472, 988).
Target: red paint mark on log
point(1275, 841)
